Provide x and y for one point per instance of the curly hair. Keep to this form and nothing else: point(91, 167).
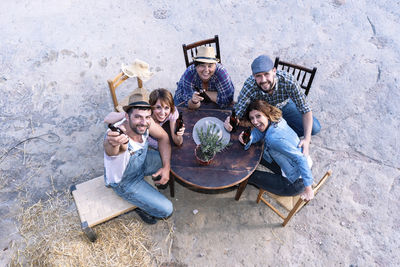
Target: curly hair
point(273, 114)
point(165, 97)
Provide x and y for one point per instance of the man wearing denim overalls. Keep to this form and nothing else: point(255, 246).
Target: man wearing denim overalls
point(127, 159)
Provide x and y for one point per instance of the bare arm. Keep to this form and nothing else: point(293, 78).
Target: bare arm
point(164, 147)
point(307, 125)
point(114, 117)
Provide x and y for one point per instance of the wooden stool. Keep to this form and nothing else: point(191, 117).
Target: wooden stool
point(97, 204)
point(293, 203)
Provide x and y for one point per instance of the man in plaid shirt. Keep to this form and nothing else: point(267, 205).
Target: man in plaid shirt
point(208, 75)
point(279, 89)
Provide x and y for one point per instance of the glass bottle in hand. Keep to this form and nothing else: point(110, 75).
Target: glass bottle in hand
point(246, 135)
point(179, 122)
point(233, 121)
point(203, 94)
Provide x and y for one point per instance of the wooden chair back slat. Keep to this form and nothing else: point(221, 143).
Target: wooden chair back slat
point(117, 81)
point(193, 49)
point(298, 76)
point(305, 74)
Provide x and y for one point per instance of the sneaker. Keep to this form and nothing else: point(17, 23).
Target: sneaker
point(147, 218)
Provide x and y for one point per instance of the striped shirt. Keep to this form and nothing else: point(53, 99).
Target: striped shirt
point(285, 87)
point(220, 82)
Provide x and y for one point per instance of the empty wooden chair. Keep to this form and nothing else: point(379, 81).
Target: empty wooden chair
point(293, 203)
point(113, 84)
point(138, 69)
point(303, 75)
point(192, 49)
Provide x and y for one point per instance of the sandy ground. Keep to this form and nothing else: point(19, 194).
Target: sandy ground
point(57, 55)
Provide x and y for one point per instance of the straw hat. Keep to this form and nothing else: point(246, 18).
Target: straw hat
point(206, 54)
point(138, 69)
point(139, 98)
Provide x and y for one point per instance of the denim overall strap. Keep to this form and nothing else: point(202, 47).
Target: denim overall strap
point(135, 169)
point(136, 190)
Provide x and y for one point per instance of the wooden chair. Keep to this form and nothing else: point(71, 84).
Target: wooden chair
point(97, 204)
point(303, 75)
point(114, 83)
point(292, 204)
point(193, 49)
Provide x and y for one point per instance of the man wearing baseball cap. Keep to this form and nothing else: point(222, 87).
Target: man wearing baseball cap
point(127, 160)
point(279, 88)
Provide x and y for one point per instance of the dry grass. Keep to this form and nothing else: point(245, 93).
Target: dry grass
point(52, 237)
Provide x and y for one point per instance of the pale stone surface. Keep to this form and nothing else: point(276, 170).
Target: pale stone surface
point(57, 55)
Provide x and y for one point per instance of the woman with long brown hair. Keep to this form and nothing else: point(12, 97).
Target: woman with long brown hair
point(291, 171)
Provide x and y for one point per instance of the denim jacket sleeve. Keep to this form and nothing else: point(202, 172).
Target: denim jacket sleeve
point(287, 149)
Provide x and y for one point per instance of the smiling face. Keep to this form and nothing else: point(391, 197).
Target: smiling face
point(161, 111)
point(266, 80)
point(139, 120)
point(206, 70)
point(259, 120)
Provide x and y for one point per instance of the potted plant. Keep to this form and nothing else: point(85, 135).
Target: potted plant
point(210, 144)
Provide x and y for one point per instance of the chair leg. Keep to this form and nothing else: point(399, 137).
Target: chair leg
point(260, 193)
point(91, 235)
point(322, 181)
point(293, 211)
point(172, 185)
point(273, 208)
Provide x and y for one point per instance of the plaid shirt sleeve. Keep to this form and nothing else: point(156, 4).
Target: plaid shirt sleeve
point(224, 86)
point(245, 97)
point(296, 94)
point(185, 88)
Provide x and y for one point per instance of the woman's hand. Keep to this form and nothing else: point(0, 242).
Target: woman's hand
point(227, 124)
point(241, 138)
point(181, 131)
point(308, 194)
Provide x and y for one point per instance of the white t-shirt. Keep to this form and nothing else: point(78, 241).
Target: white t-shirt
point(115, 165)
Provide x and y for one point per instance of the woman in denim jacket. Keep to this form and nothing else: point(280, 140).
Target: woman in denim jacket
point(291, 172)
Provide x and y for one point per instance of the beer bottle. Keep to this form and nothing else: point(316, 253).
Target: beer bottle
point(203, 94)
point(179, 122)
point(233, 121)
point(246, 135)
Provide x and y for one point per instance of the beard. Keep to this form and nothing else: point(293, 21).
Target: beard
point(135, 128)
point(270, 88)
point(267, 87)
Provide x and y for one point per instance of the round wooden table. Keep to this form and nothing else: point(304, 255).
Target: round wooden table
point(230, 167)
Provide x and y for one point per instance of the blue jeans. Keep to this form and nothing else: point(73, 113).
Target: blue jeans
point(294, 119)
point(137, 191)
point(275, 182)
